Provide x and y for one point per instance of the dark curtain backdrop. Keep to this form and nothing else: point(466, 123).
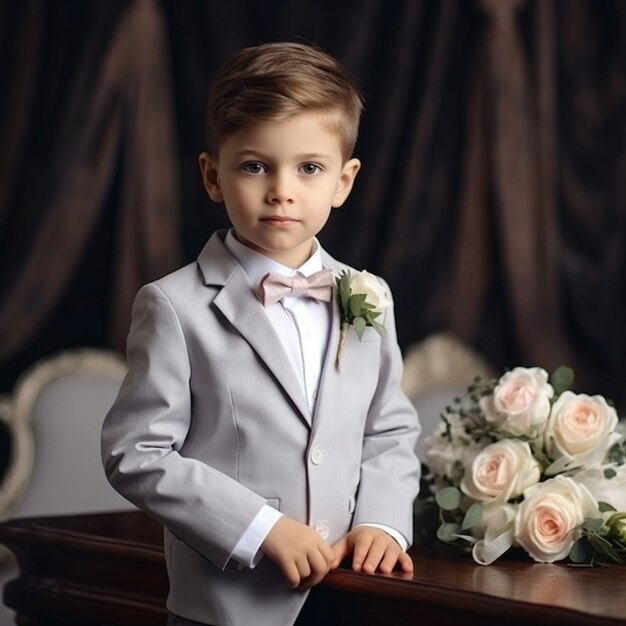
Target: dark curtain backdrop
point(491, 195)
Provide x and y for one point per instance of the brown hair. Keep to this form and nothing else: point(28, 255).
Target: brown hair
point(277, 80)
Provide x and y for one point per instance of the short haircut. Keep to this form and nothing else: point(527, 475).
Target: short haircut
point(275, 81)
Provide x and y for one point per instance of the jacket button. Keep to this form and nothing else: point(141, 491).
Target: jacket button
point(322, 528)
point(317, 455)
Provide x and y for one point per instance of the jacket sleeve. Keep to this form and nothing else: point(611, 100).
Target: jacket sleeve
point(144, 431)
point(390, 469)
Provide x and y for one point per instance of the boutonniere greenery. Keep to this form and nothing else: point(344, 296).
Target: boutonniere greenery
point(361, 300)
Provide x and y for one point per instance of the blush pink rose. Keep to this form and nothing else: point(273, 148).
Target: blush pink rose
point(580, 426)
point(547, 517)
point(520, 403)
point(503, 470)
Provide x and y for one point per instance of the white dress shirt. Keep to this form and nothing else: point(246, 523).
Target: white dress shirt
point(303, 326)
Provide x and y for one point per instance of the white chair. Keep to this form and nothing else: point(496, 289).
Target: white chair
point(436, 371)
point(54, 418)
point(53, 421)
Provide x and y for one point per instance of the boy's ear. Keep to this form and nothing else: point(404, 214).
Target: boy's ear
point(210, 178)
point(346, 180)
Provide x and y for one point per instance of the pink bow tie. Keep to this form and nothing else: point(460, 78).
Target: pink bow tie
point(274, 286)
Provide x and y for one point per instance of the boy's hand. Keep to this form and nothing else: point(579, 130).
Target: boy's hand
point(371, 548)
point(301, 554)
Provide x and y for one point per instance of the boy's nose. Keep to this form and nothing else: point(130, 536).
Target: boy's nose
point(280, 190)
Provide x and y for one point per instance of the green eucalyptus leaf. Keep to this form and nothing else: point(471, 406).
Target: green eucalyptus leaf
point(610, 473)
point(592, 524)
point(448, 498)
point(598, 542)
point(605, 507)
point(580, 551)
point(562, 379)
point(359, 326)
point(344, 291)
point(379, 328)
point(473, 516)
point(448, 532)
point(602, 547)
point(356, 303)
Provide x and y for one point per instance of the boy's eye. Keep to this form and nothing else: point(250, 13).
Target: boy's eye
point(310, 169)
point(254, 168)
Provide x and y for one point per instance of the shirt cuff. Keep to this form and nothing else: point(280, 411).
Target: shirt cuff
point(247, 552)
point(399, 537)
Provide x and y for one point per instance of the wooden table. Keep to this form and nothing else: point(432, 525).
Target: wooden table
point(109, 569)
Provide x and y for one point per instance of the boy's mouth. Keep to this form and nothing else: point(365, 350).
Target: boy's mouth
point(279, 220)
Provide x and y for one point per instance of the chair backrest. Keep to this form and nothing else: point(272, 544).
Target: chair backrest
point(436, 371)
point(54, 419)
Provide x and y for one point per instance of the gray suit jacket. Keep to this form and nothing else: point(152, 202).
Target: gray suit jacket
point(211, 424)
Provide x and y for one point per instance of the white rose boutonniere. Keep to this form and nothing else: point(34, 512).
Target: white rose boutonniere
point(361, 300)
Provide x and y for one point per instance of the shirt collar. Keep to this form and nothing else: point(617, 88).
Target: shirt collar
point(256, 265)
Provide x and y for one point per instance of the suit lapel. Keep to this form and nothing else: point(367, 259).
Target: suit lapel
point(328, 391)
point(241, 307)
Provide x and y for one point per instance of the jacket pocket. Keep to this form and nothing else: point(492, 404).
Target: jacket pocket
point(273, 502)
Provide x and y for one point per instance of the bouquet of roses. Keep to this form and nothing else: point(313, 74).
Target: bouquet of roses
point(524, 462)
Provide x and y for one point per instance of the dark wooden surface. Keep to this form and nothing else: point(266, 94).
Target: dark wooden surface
point(109, 569)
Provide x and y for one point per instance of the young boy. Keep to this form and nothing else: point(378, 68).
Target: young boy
point(266, 461)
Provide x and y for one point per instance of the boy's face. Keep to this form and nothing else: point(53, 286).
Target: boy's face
point(279, 181)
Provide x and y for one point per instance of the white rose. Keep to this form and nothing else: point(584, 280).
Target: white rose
point(581, 427)
point(520, 403)
point(502, 471)
point(611, 490)
point(548, 515)
point(366, 283)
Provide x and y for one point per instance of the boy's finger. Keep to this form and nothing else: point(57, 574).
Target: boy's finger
point(312, 580)
point(375, 554)
point(340, 551)
point(361, 550)
point(290, 572)
point(392, 556)
point(328, 553)
point(406, 562)
point(318, 568)
point(318, 565)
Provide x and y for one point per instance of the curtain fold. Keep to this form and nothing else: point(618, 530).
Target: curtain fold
point(148, 236)
point(18, 100)
point(509, 191)
point(116, 129)
point(420, 134)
